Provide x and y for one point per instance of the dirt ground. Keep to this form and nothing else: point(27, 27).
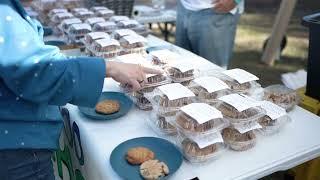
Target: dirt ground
point(254, 28)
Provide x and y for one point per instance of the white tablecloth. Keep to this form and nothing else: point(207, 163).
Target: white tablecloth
point(298, 142)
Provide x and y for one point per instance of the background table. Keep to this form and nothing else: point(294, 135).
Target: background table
point(93, 141)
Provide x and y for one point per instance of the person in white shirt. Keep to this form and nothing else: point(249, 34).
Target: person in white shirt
point(208, 28)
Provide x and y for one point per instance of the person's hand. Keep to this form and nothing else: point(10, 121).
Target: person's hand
point(129, 74)
point(224, 6)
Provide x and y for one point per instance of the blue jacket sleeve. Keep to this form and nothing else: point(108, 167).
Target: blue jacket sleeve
point(40, 73)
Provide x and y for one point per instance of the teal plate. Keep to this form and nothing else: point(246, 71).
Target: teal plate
point(125, 106)
point(164, 151)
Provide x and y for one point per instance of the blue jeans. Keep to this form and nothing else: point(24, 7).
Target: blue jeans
point(206, 33)
point(26, 165)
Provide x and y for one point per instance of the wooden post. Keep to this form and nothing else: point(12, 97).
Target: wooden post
point(278, 31)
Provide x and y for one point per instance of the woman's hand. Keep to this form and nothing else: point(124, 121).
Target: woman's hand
point(130, 74)
point(224, 6)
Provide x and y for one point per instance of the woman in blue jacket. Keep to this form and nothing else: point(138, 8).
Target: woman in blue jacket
point(34, 80)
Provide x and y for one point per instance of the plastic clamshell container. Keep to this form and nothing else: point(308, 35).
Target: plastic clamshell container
point(58, 18)
point(162, 125)
point(237, 141)
point(281, 96)
point(79, 29)
point(119, 18)
point(191, 128)
point(107, 14)
point(194, 154)
point(204, 96)
point(270, 127)
point(65, 24)
point(166, 107)
point(107, 26)
point(128, 24)
point(141, 102)
point(94, 20)
point(179, 77)
point(91, 37)
point(98, 8)
point(118, 34)
point(237, 118)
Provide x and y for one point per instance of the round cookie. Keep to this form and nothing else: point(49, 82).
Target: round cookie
point(107, 107)
point(153, 169)
point(139, 155)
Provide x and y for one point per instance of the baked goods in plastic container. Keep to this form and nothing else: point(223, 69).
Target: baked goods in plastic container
point(181, 72)
point(118, 34)
point(282, 96)
point(107, 14)
point(76, 10)
point(240, 81)
point(199, 119)
point(207, 151)
point(94, 20)
point(106, 48)
point(83, 15)
point(162, 125)
point(209, 89)
point(52, 12)
point(237, 141)
point(98, 8)
point(107, 26)
point(163, 57)
point(65, 24)
point(133, 44)
point(119, 18)
point(167, 99)
point(239, 109)
point(141, 102)
point(91, 37)
point(274, 119)
point(59, 17)
point(79, 30)
point(127, 24)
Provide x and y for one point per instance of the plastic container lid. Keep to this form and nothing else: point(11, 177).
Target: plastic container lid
point(162, 125)
point(238, 141)
point(169, 98)
point(193, 153)
point(282, 96)
point(190, 127)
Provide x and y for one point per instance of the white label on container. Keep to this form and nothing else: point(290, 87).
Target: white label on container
point(108, 42)
point(99, 35)
point(165, 55)
point(71, 21)
point(119, 18)
point(204, 141)
point(95, 20)
point(129, 22)
point(183, 67)
point(105, 11)
point(106, 24)
point(84, 13)
point(133, 58)
point(125, 32)
point(240, 75)
point(79, 9)
point(82, 26)
point(54, 11)
point(176, 91)
point(240, 102)
point(201, 112)
point(135, 39)
point(63, 15)
point(211, 84)
point(272, 110)
point(247, 127)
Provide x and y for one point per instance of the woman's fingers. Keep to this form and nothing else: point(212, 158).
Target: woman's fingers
point(134, 84)
point(148, 70)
